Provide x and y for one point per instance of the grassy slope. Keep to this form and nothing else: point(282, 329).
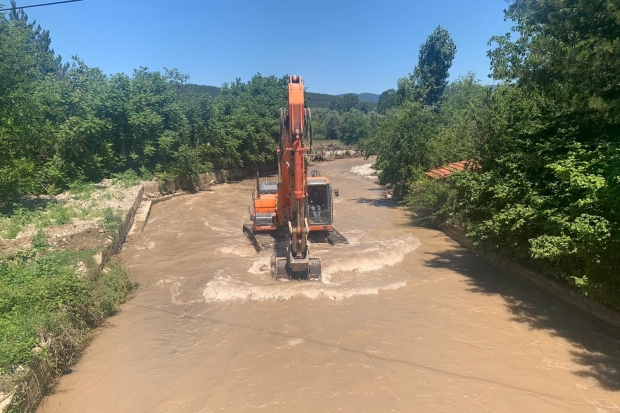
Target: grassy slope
point(49, 303)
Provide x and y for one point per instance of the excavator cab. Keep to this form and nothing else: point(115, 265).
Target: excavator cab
point(319, 205)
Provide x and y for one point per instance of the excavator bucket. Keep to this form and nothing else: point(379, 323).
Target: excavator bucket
point(279, 268)
point(308, 269)
point(314, 271)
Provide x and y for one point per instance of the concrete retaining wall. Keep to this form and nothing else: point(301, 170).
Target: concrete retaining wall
point(36, 381)
point(119, 237)
point(603, 312)
point(154, 192)
point(157, 188)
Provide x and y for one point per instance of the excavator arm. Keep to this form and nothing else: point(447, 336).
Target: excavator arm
point(292, 187)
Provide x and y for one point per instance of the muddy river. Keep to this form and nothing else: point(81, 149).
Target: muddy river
point(406, 320)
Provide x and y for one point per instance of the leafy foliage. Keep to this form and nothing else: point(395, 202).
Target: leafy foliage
point(354, 126)
point(399, 143)
point(548, 194)
point(349, 127)
point(45, 305)
point(413, 137)
point(549, 191)
point(551, 188)
point(430, 76)
point(67, 123)
point(387, 100)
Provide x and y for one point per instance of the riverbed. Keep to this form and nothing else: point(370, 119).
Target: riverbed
point(405, 320)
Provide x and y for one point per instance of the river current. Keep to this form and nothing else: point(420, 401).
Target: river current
point(406, 320)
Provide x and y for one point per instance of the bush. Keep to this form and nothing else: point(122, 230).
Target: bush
point(431, 198)
point(111, 220)
point(39, 241)
point(46, 305)
point(126, 179)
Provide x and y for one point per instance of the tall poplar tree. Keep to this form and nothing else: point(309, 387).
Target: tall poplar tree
point(430, 76)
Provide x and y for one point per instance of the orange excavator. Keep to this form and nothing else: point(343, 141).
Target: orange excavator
point(289, 212)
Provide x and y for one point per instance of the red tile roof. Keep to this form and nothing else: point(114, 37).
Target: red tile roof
point(455, 167)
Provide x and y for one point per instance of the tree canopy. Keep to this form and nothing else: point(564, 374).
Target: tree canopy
point(430, 76)
point(65, 122)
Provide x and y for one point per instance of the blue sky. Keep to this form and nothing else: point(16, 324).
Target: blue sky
point(338, 46)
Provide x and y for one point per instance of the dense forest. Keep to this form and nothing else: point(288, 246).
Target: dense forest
point(545, 137)
point(62, 122)
point(66, 122)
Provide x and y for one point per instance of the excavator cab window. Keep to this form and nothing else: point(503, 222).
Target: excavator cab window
point(319, 205)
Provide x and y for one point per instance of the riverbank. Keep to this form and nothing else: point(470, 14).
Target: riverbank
point(58, 282)
point(61, 255)
point(555, 287)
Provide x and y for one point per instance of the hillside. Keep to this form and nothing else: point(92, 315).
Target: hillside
point(315, 100)
point(193, 89)
point(369, 97)
point(365, 97)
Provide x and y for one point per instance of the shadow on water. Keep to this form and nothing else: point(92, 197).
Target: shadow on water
point(596, 345)
point(380, 202)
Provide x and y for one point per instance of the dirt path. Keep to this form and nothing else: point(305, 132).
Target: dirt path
point(407, 320)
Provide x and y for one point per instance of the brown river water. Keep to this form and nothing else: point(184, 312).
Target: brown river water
point(406, 320)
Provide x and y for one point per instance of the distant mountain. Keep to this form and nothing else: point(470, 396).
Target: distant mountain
point(315, 100)
point(202, 89)
point(366, 97)
point(369, 97)
point(319, 100)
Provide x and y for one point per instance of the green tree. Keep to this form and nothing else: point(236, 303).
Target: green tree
point(387, 100)
point(549, 193)
point(318, 122)
point(462, 122)
point(345, 103)
point(78, 145)
point(366, 107)
point(247, 124)
point(332, 126)
point(40, 42)
point(430, 75)
point(354, 126)
point(400, 141)
point(25, 60)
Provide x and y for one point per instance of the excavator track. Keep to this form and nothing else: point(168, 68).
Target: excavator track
point(266, 240)
point(257, 239)
point(335, 237)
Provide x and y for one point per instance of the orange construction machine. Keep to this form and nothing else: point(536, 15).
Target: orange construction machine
point(288, 212)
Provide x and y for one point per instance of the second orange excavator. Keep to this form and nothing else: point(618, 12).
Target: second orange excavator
point(287, 213)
